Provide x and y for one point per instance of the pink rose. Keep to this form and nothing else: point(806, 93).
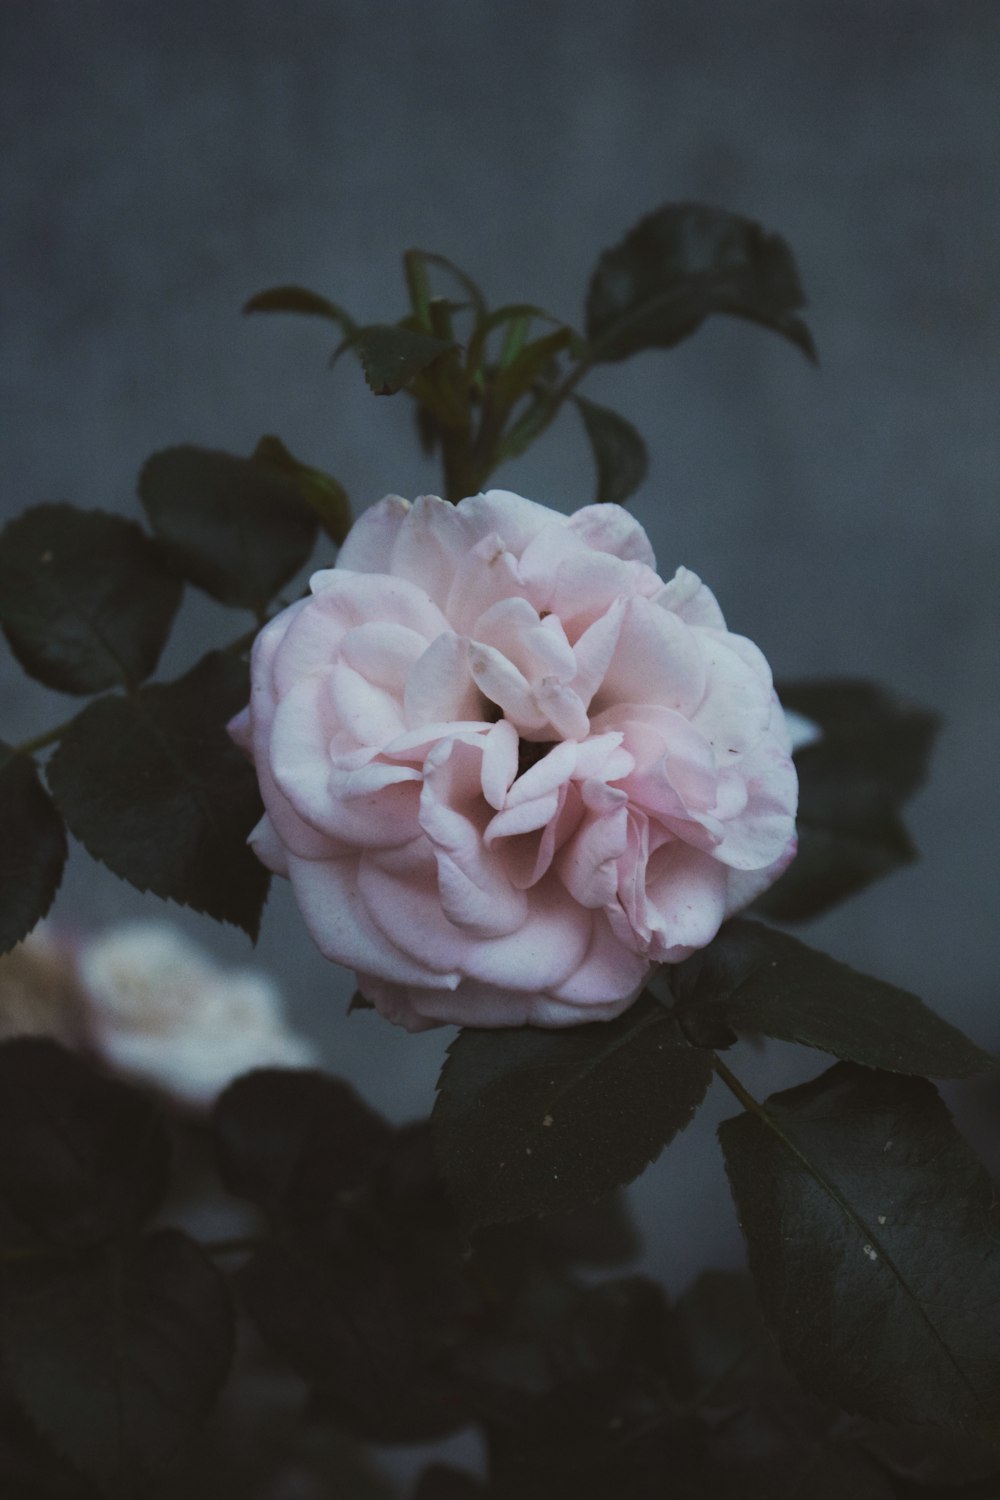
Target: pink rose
point(507, 768)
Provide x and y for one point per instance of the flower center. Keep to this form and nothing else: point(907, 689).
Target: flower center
point(530, 752)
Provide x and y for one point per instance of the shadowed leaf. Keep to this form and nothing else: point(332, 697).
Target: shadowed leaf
point(153, 787)
point(874, 1240)
point(293, 1139)
point(32, 848)
point(325, 494)
point(85, 598)
point(82, 1157)
point(532, 1121)
point(679, 265)
point(756, 980)
point(298, 299)
point(872, 756)
point(390, 356)
point(235, 528)
point(117, 1356)
point(619, 452)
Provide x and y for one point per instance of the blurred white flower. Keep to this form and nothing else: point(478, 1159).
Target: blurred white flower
point(38, 991)
point(164, 1012)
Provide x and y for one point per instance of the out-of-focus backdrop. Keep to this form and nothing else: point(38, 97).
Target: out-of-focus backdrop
point(163, 161)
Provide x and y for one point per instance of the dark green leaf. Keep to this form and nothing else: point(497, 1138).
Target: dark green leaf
point(530, 424)
point(325, 494)
point(679, 265)
point(469, 287)
point(85, 598)
point(756, 980)
point(82, 1157)
point(619, 452)
point(874, 1240)
point(532, 1121)
point(359, 1313)
point(932, 1455)
point(297, 299)
point(235, 528)
point(872, 757)
point(118, 1356)
point(153, 786)
point(391, 357)
point(292, 1140)
point(32, 848)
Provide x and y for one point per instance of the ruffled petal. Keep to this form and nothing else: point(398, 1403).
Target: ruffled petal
point(686, 596)
point(475, 894)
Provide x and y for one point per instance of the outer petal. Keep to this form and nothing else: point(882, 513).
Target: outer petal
point(685, 901)
point(609, 528)
point(689, 598)
point(328, 896)
point(369, 544)
point(608, 980)
point(401, 894)
point(512, 517)
point(430, 545)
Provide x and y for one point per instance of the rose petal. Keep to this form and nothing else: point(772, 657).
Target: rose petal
point(369, 543)
point(736, 707)
point(657, 659)
point(429, 546)
point(686, 596)
point(329, 899)
point(475, 893)
point(609, 528)
point(441, 686)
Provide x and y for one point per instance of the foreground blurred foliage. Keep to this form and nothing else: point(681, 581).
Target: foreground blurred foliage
point(400, 1285)
point(355, 1309)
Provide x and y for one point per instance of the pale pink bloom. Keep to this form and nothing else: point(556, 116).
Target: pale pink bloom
point(507, 768)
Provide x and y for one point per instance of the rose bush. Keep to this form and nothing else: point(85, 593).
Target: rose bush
point(507, 768)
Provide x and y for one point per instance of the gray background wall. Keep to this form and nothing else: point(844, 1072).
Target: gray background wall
point(161, 161)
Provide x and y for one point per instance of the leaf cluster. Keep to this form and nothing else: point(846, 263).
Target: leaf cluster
point(145, 775)
point(487, 390)
point(131, 1359)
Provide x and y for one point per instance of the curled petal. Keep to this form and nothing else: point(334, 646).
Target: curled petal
point(440, 686)
point(475, 893)
point(686, 596)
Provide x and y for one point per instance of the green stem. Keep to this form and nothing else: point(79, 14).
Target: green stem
point(735, 1087)
point(418, 286)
